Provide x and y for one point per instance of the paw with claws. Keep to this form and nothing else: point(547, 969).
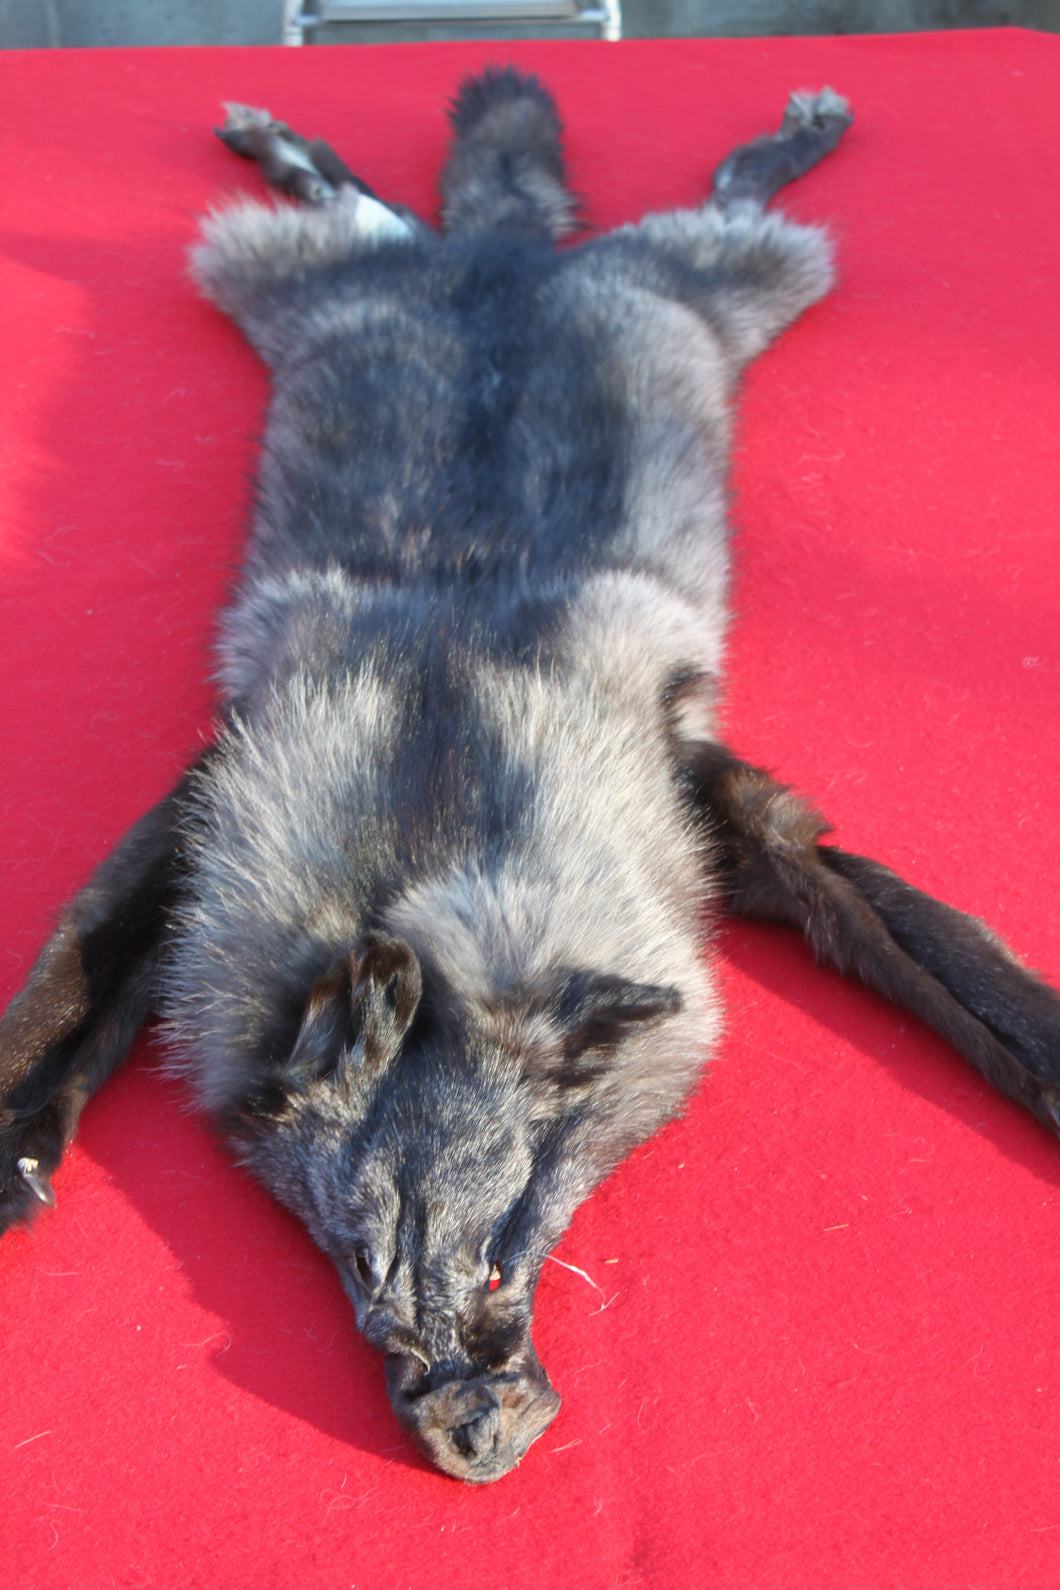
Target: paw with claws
point(825, 111)
point(26, 1168)
point(35, 1179)
point(286, 159)
point(813, 124)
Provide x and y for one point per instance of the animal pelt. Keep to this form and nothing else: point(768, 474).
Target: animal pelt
point(425, 924)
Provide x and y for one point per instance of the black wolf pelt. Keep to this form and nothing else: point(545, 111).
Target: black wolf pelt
point(425, 924)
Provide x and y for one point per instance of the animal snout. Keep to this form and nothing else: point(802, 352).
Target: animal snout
point(473, 1429)
point(472, 1420)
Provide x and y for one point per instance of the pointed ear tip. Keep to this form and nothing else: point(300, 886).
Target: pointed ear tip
point(380, 957)
point(650, 1002)
point(384, 997)
point(596, 1011)
point(617, 998)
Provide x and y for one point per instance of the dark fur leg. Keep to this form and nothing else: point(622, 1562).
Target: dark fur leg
point(947, 968)
point(88, 995)
point(753, 174)
point(289, 163)
point(307, 169)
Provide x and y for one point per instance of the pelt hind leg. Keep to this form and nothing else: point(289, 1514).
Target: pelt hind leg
point(755, 173)
point(269, 266)
point(307, 169)
point(747, 269)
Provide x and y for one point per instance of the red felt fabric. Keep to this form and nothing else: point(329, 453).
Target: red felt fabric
point(823, 1347)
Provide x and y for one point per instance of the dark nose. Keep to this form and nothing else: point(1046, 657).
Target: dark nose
point(477, 1438)
point(476, 1429)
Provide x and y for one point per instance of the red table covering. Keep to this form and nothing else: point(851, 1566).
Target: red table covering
point(823, 1348)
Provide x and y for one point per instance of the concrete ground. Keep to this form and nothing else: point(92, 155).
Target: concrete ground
point(34, 24)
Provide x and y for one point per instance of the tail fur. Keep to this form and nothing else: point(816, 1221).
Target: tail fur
point(506, 169)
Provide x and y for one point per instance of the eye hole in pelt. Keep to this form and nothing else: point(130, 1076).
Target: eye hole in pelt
point(362, 1267)
point(494, 1277)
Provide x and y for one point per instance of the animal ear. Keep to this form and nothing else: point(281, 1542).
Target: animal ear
point(385, 996)
point(359, 1011)
point(594, 1012)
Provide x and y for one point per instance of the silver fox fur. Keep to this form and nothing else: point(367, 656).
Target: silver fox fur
point(426, 925)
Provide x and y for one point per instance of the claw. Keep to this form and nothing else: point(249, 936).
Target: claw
point(36, 1180)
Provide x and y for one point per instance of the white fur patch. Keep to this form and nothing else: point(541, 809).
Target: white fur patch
point(378, 221)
